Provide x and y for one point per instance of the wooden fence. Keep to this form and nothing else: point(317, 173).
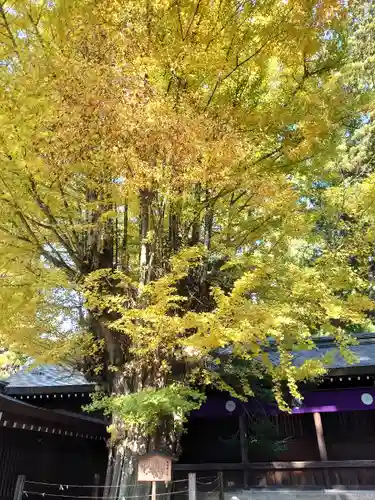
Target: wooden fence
point(351, 474)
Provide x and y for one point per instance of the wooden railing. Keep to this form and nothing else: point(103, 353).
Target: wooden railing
point(319, 474)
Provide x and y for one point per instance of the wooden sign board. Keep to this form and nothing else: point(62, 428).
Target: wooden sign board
point(154, 468)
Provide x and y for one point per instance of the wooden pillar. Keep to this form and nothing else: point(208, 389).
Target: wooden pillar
point(322, 446)
point(192, 486)
point(320, 436)
point(244, 447)
point(18, 492)
point(153, 490)
point(96, 493)
point(220, 477)
point(108, 476)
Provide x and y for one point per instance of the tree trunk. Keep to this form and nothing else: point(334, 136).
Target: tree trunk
point(143, 231)
point(122, 471)
point(124, 244)
point(122, 480)
point(128, 445)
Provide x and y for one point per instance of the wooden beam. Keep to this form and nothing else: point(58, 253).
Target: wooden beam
point(300, 465)
point(320, 436)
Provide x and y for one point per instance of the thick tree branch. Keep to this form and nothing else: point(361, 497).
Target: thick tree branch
point(124, 243)
point(67, 208)
point(221, 79)
point(58, 261)
point(7, 28)
point(144, 225)
point(64, 241)
point(15, 236)
point(36, 29)
point(192, 19)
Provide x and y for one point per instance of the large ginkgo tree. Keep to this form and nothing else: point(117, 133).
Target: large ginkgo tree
point(152, 154)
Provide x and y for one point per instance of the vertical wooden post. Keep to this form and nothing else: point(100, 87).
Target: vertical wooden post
point(153, 490)
point(321, 446)
point(221, 485)
point(18, 492)
point(320, 436)
point(192, 486)
point(95, 493)
point(109, 474)
point(244, 447)
point(117, 474)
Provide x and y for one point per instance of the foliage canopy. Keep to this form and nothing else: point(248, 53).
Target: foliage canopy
point(154, 157)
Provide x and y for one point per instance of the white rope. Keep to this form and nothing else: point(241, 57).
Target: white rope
point(67, 486)
point(208, 482)
point(214, 490)
point(43, 494)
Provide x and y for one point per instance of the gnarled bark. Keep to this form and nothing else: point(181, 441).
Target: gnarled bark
point(121, 480)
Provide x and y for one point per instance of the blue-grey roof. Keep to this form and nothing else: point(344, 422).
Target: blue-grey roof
point(364, 353)
point(365, 356)
point(58, 378)
point(47, 377)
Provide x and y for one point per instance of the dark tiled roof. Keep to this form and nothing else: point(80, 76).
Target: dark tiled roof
point(57, 378)
point(47, 378)
point(364, 353)
point(18, 411)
